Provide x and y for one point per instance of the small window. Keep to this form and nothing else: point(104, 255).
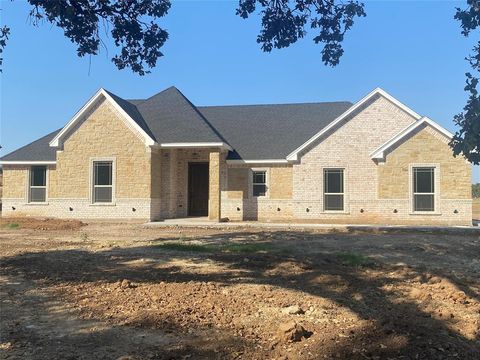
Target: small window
point(38, 184)
point(423, 189)
point(259, 182)
point(333, 189)
point(102, 182)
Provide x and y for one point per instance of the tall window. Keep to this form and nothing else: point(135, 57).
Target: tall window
point(259, 183)
point(102, 182)
point(38, 184)
point(333, 189)
point(423, 189)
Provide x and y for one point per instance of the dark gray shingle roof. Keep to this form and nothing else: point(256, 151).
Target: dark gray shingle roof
point(39, 150)
point(271, 131)
point(253, 131)
point(171, 117)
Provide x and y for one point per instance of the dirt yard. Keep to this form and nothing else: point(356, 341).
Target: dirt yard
point(125, 291)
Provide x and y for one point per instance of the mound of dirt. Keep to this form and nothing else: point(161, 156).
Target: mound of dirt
point(40, 223)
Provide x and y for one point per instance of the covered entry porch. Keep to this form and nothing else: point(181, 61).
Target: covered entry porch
point(187, 182)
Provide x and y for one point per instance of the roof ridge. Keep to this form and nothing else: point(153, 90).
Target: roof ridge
point(160, 92)
point(276, 104)
point(212, 128)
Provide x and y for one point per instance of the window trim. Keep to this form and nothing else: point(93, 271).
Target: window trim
point(251, 183)
point(92, 181)
point(29, 186)
point(324, 170)
point(436, 193)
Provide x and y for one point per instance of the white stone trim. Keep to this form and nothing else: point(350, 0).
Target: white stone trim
point(379, 154)
point(268, 161)
point(57, 140)
point(29, 179)
point(113, 159)
point(346, 195)
point(293, 156)
point(437, 198)
point(250, 183)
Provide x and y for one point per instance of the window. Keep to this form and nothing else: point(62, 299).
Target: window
point(102, 182)
point(38, 184)
point(259, 183)
point(333, 189)
point(423, 189)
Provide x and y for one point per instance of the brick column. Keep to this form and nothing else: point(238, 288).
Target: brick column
point(215, 164)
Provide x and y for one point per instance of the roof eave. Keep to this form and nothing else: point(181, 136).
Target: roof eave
point(27, 162)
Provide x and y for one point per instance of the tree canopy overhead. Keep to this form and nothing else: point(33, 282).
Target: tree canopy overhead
point(284, 22)
point(138, 37)
point(132, 24)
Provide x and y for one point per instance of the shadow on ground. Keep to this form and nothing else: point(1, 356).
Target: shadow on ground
point(398, 326)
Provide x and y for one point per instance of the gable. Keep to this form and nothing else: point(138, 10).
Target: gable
point(402, 136)
point(349, 114)
point(424, 145)
point(103, 135)
point(101, 125)
point(123, 113)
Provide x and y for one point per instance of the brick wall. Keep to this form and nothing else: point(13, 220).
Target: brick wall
point(239, 204)
point(153, 184)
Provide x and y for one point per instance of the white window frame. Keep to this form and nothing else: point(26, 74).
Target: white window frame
point(30, 186)
point(325, 194)
point(92, 181)
point(251, 183)
point(436, 193)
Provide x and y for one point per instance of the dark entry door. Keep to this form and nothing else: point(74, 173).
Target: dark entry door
point(198, 189)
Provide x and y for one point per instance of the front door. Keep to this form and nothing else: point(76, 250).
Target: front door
point(197, 189)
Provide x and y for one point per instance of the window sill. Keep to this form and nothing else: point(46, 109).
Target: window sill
point(335, 212)
point(37, 203)
point(425, 213)
point(103, 204)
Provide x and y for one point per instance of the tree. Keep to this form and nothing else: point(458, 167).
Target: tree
point(131, 23)
point(476, 190)
point(466, 140)
point(134, 29)
point(284, 22)
point(136, 33)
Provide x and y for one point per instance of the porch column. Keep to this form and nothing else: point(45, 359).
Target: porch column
point(214, 187)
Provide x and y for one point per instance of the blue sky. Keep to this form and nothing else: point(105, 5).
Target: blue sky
point(413, 50)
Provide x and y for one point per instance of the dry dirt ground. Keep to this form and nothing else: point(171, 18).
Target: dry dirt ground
point(109, 291)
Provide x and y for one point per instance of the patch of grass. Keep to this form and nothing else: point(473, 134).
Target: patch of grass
point(187, 247)
point(11, 226)
point(234, 248)
point(247, 248)
point(84, 236)
point(354, 259)
point(183, 237)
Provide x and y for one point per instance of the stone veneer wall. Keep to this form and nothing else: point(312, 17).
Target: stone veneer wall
point(174, 178)
point(350, 148)
point(374, 193)
point(153, 184)
point(102, 135)
point(239, 204)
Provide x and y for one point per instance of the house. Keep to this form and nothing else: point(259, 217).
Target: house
point(375, 161)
